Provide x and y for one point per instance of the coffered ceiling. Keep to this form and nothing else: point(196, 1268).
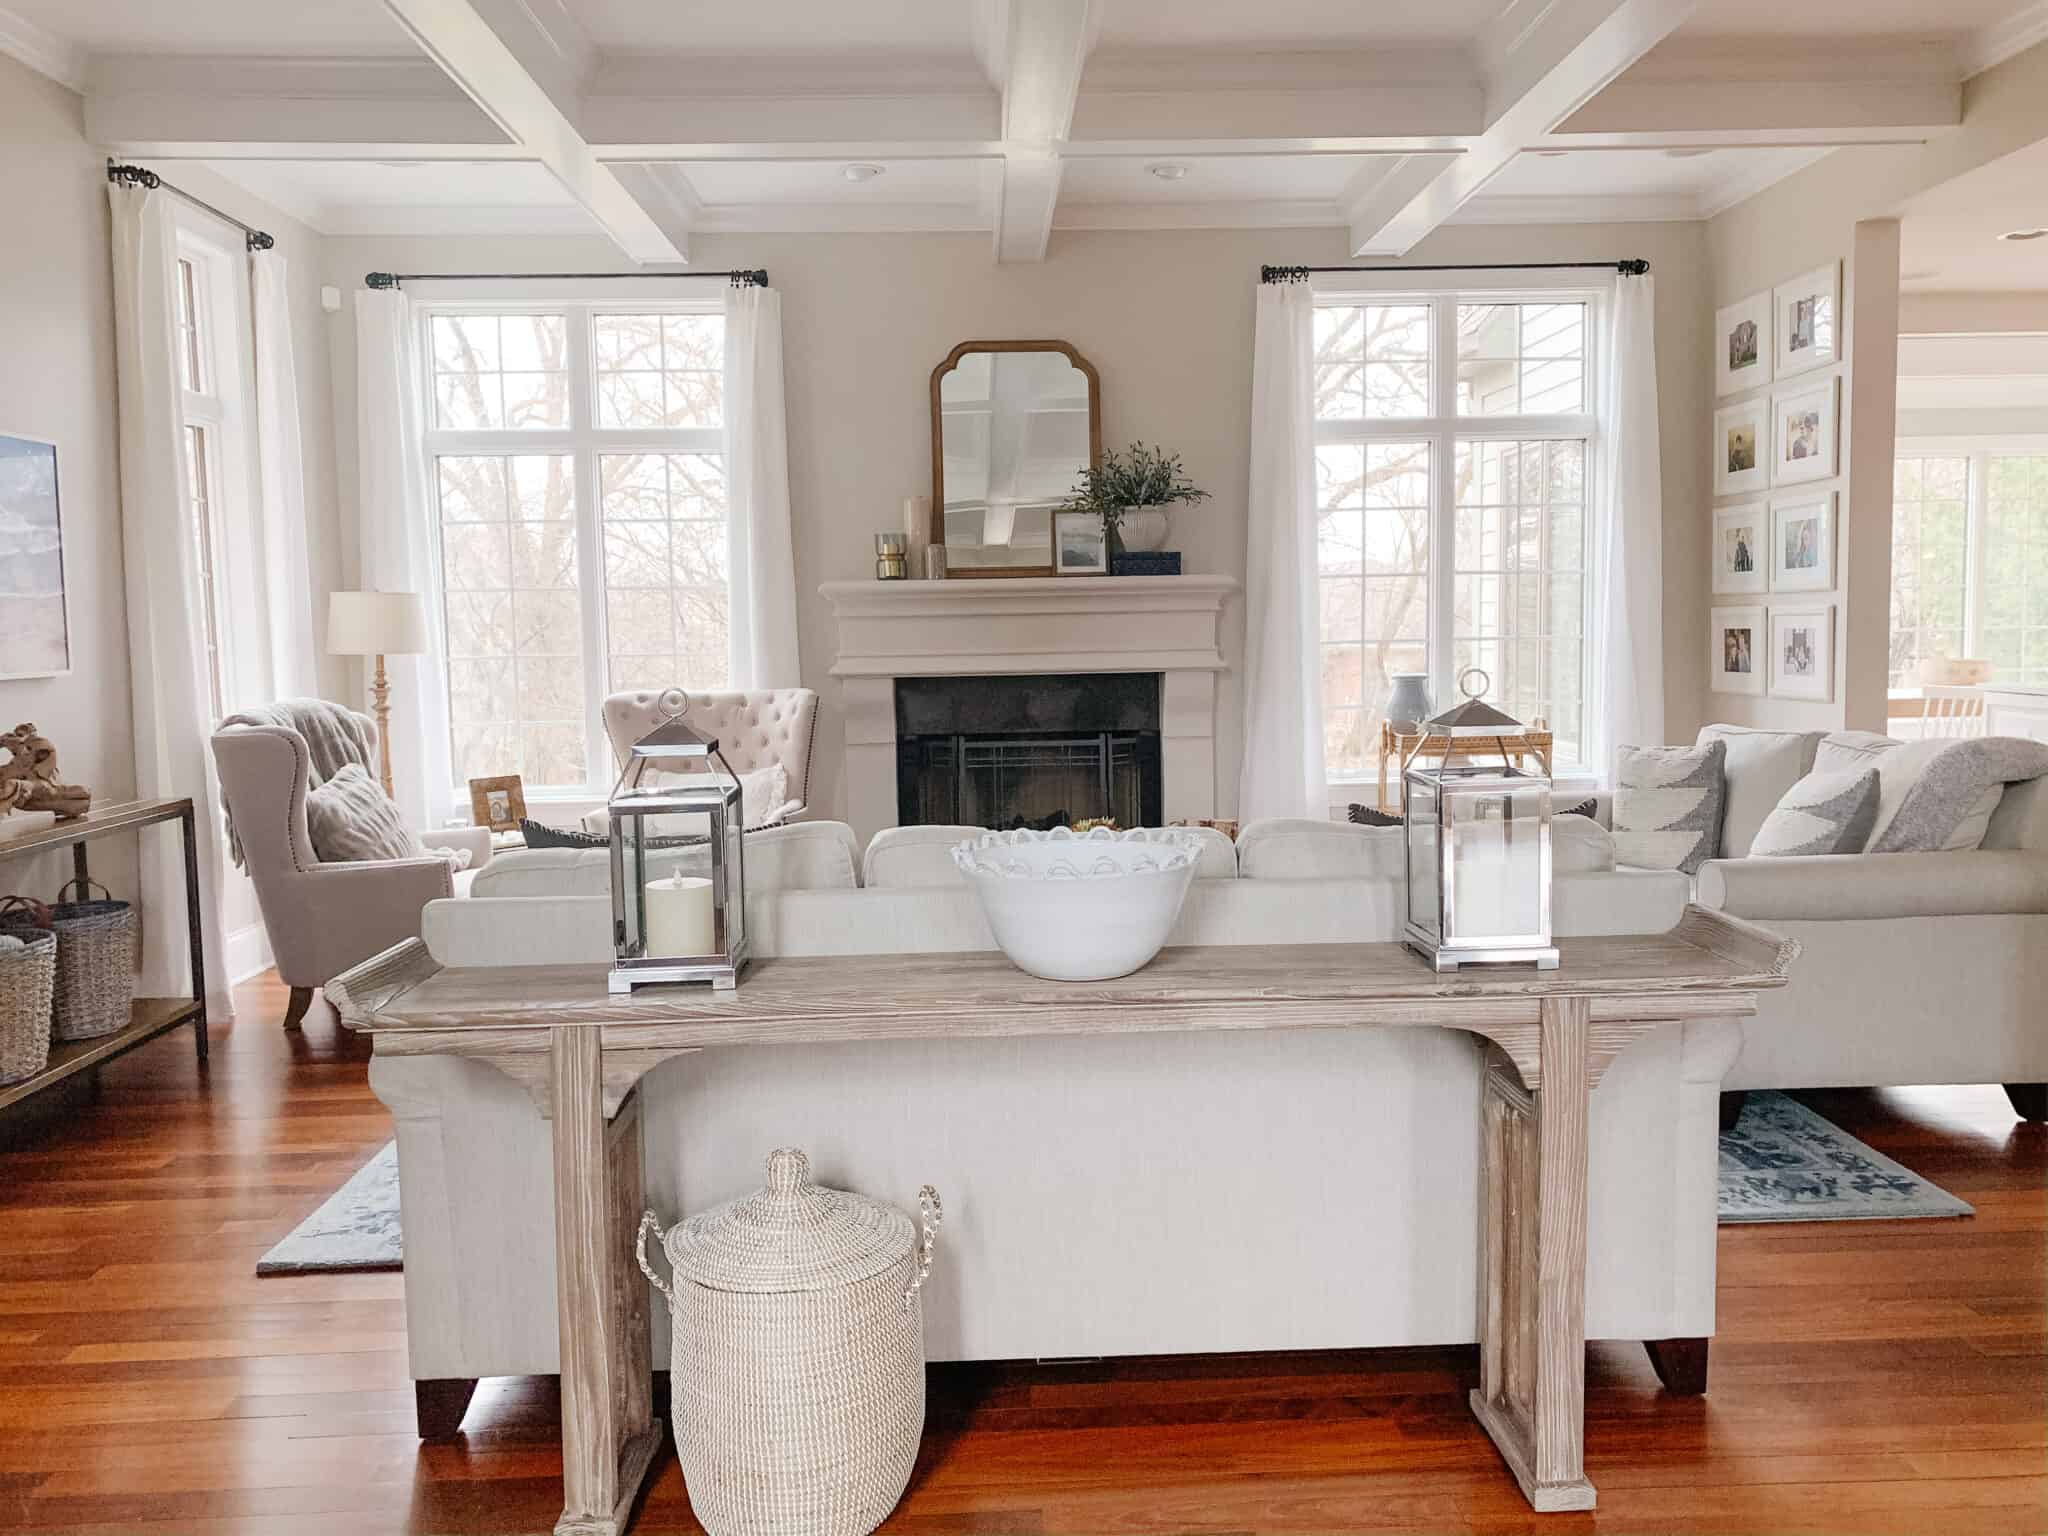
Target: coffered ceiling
point(649, 120)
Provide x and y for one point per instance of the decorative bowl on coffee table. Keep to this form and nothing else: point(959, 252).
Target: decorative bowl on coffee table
point(1085, 906)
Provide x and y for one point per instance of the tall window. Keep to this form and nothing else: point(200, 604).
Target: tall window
point(1452, 442)
point(1970, 557)
point(579, 482)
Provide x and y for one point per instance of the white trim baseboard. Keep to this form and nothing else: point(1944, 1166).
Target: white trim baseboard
point(247, 953)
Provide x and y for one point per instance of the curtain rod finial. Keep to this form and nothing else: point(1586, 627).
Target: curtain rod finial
point(380, 280)
point(1270, 274)
point(259, 241)
point(1635, 267)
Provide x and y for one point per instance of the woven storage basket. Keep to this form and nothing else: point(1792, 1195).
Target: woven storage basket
point(798, 1369)
point(27, 976)
point(95, 963)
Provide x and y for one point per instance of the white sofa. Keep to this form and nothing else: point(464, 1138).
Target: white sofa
point(1123, 1195)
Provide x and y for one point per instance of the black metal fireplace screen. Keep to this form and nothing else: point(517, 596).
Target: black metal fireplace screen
point(1009, 752)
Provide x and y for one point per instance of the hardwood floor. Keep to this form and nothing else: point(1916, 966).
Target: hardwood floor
point(1867, 1376)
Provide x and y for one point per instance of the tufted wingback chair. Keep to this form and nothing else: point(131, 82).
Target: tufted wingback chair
point(753, 730)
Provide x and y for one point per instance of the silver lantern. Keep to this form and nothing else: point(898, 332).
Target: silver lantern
point(677, 927)
point(1478, 843)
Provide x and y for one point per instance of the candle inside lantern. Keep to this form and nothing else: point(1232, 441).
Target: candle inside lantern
point(679, 918)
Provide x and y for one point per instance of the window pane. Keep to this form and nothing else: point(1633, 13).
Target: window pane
point(199, 504)
point(1521, 359)
point(1373, 553)
point(2015, 598)
point(188, 326)
point(664, 528)
point(1372, 361)
point(1519, 598)
point(1930, 529)
point(659, 370)
point(500, 372)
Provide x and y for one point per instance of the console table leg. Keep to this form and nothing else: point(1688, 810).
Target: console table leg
point(608, 1431)
point(1531, 1396)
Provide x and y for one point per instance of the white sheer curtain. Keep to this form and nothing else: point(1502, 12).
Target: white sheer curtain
point(1626, 707)
point(763, 644)
point(1283, 772)
point(169, 692)
point(396, 542)
point(281, 523)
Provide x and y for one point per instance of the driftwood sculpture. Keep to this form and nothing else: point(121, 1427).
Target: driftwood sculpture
point(28, 776)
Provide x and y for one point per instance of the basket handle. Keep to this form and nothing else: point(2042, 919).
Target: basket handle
point(930, 1213)
point(648, 1223)
point(24, 909)
point(85, 885)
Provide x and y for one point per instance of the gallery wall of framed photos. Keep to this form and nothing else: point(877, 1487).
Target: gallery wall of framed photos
point(1777, 475)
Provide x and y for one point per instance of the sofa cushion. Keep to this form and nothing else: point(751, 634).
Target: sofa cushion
point(903, 858)
point(350, 819)
point(1825, 812)
point(803, 856)
point(1285, 848)
point(1948, 803)
point(1762, 767)
point(1667, 805)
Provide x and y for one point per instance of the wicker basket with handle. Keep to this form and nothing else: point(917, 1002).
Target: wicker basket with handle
point(798, 1366)
point(27, 975)
point(95, 962)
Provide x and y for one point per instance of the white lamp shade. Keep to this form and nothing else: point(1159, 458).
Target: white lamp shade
point(376, 624)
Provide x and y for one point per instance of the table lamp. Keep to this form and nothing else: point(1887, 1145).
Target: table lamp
point(377, 624)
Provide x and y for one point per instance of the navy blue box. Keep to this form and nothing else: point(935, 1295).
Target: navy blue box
point(1145, 562)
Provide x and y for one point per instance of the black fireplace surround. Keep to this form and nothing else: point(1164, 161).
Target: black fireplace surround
point(1040, 752)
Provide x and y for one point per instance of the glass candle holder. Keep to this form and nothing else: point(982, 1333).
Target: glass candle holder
point(892, 557)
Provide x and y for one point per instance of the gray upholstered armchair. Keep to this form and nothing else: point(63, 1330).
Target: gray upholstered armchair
point(322, 918)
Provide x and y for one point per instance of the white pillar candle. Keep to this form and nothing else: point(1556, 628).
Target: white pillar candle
point(679, 918)
point(917, 529)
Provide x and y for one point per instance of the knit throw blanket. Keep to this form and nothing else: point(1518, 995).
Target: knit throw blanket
point(335, 736)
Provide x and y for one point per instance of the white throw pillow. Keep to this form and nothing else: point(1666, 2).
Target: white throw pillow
point(802, 856)
point(1762, 767)
point(1825, 812)
point(1900, 766)
point(1301, 848)
point(1579, 845)
point(1948, 803)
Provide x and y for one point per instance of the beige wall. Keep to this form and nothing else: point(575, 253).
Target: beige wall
point(1165, 316)
point(1821, 214)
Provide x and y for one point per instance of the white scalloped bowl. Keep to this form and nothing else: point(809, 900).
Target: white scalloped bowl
point(1081, 906)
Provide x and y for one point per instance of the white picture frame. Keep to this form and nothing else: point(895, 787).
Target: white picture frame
point(1742, 345)
point(1080, 544)
point(1742, 448)
point(1803, 652)
point(1742, 536)
point(1802, 542)
point(35, 614)
point(1807, 321)
point(1736, 650)
point(1803, 445)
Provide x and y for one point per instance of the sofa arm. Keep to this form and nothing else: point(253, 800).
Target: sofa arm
point(1818, 888)
point(476, 839)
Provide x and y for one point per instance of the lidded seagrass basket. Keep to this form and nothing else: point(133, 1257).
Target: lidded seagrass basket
point(797, 1377)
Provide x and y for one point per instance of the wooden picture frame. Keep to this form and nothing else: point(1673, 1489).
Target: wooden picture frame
point(498, 803)
point(1079, 530)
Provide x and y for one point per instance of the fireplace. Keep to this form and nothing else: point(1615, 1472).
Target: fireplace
point(1041, 751)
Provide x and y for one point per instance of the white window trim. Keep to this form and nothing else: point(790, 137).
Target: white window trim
point(1442, 430)
point(583, 440)
point(1979, 451)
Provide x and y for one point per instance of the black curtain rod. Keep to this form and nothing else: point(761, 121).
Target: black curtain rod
point(1634, 266)
point(136, 176)
point(746, 277)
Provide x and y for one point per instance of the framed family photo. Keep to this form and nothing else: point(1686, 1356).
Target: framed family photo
point(498, 803)
point(1803, 434)
point(1808, 324)
point(1742, 448)
point(1736, 664)
point(1741, 549)
point(1742, 340)
point(1080, 544)
point(1802, 543)
point(35, 624)
point(1803, 653)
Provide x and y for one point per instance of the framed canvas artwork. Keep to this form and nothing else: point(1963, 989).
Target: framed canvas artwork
point(1803, 434)
point(1742, 448)
point(1802, 545)
point(35, 621)
point(1736, 662)
point(1742, 343)
point(1809, 321)
point(1741, 534)
point(1803, 653)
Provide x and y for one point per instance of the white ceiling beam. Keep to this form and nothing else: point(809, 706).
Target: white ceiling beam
point(457, 38)
point(42, 51)
point(1048, 42)
point(1539, 69)
point(664, 191)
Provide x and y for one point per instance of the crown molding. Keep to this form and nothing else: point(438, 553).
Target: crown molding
point(2002, 39)
point(1745, 181)
point(42, 51)
point(1580, 208)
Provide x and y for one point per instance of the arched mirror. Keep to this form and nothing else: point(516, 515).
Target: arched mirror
point(1013, 424)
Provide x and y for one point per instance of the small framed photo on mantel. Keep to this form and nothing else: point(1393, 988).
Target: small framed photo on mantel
point(1736, 659)
point(498, 803)
point(1080, 544)
point(1742, 341)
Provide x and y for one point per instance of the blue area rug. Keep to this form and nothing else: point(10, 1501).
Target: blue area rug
point(356, 1227)
point(1783, 1162)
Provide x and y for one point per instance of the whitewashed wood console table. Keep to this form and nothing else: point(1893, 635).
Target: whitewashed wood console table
point(1551, 1034)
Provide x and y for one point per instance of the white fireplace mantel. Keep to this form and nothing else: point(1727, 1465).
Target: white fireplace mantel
point(1028, 626)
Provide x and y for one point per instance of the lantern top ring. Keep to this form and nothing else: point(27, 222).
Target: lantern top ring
point(673, 703)
point(1485, 682)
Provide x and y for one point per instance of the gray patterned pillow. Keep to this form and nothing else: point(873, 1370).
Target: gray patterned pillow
point(1667, 805)
point(350, 819)
point(1822, 813)
point(1961, 782)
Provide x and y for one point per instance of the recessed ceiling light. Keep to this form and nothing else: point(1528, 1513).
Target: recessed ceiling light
point(863, 172)
point(2023, 234)
point(1169, 170)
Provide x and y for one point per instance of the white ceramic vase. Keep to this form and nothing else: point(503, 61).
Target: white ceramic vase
point(1143, 528)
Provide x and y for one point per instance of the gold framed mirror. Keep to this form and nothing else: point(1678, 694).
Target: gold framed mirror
point(1013, 425)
